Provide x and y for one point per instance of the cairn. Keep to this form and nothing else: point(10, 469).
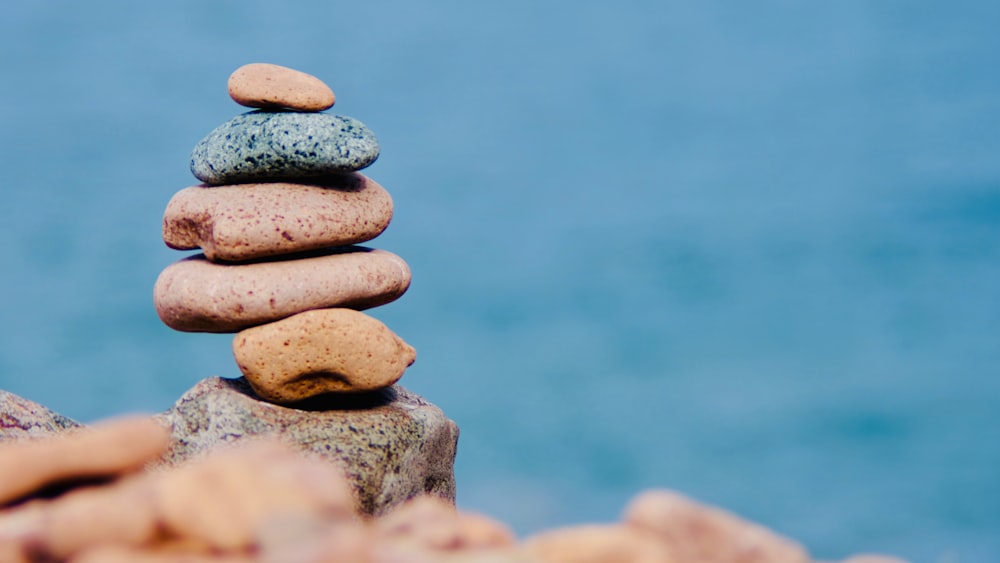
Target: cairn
point(278, 216)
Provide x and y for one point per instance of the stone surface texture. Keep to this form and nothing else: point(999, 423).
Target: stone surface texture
point(247, 221)
point(392, 445)
point(263, 85)
point(197, 295)
point(262, 146)
point(320, 351)
point(21, 418)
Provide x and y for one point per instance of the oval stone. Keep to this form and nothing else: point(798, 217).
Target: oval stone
point(197, 295)
point(318, 352)
point(262, 85)
point(246, 221)
point(267, 146)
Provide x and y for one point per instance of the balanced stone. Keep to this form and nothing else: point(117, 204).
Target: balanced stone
point(264, 146)
point(391, 444)
point(197, 295)
point(320, 351)
point(246, 221)
point(262, 85)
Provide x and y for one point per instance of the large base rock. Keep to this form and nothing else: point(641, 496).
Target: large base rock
point(21, 418)
point(391, 444)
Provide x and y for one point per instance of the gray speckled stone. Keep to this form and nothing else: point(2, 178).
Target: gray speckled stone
point(21, 418)
point(392, 444)
point(270, 146)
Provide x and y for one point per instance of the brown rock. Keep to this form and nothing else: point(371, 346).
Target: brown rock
point(104, 450)
point(197, 295)
point(320, 351)
point(247, 221)
point(391, 444)
point(262, 85)
point(612, 543)
point(697, 532)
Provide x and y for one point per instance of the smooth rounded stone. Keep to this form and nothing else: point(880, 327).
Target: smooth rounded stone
point(21, 419)
point(603, 543)
point(697, 532)
point(107, 449)
point(320, 351)
point(264, 146)
point(263, 85)
point(248, 221)
point(197, 295)
point(391, 444)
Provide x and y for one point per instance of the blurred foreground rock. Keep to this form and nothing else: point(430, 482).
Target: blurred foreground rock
point(103, 494)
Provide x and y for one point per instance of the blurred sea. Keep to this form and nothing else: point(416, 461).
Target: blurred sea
point(749, 251)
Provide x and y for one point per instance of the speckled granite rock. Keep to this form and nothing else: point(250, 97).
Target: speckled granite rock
point(270, 146)
point(248, 221)
point(391, 444)
point(21, 418)
point(196, 295)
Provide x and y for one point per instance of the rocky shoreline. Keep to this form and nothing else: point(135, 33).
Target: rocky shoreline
point(183, 487)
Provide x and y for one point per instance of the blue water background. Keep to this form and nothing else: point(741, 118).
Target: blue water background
point(745, 250)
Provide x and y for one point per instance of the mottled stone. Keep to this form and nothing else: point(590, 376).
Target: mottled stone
point(320, 351)
point(197, 295)
point(248, 221)
point(262, 146)
point(21, 418)
point(391, 444)
point(262, 85)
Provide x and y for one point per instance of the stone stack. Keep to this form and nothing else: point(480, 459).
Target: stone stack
point(277, 218)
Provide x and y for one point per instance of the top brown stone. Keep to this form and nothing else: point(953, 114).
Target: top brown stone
point(267, 86)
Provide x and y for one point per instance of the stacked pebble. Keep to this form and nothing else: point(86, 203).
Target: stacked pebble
point(277, 217)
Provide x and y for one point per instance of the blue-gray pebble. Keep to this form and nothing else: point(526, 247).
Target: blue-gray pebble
point(261, 146)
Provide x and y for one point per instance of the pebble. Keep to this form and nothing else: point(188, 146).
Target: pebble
point(197, 295)
point(262, 85)
point(247, 221)
point(108, 449)
point(318, 352)
point(272, 146)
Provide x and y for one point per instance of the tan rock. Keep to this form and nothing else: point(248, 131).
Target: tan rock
point(247, 221)
point(222, 503)
point(229, 498)
point(197, 295)
point(610, 543)
point(122, 554)
point(433, 523)
point(697, 532)
point(104, 450)
point(873, 558)
point(262, 85)
point(119, 513)
point(320, 351)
